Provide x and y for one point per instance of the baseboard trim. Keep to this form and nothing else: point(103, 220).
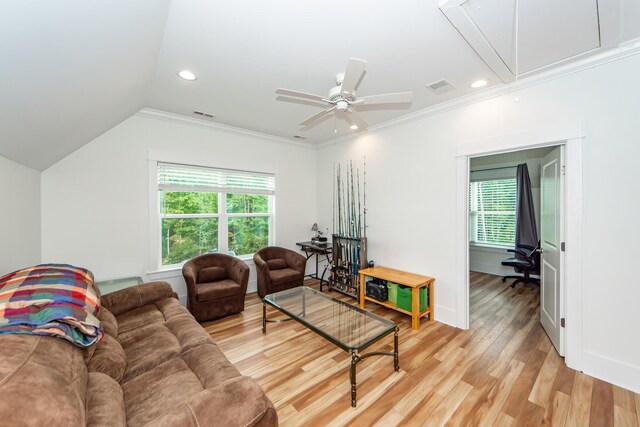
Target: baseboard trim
point(445, 315)
point(611, 370)
point(490, 269)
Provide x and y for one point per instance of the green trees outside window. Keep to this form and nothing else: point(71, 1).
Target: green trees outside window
point(191, 223)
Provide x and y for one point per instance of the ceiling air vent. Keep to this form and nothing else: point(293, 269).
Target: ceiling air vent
point(207, 115)
point(441, 86)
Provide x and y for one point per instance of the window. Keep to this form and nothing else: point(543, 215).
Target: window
point(492, 212)
point(205, 210)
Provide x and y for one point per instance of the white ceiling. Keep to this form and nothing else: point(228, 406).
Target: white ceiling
point(72, 69)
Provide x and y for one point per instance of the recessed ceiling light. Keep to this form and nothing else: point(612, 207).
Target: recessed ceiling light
point(479, 83)
point(353, 127)
point(187, 75)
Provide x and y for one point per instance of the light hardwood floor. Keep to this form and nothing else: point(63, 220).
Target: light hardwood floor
point(503, 371)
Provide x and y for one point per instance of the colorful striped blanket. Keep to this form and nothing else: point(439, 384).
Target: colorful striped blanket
point(51, 299)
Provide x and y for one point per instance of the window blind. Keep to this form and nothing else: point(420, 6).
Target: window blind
point(493, 211)
point(175, 177)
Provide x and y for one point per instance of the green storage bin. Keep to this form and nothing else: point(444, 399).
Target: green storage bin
point(404, 298)
point(393, 292)
point(424, 299)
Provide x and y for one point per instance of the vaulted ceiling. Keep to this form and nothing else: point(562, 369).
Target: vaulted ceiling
point(72, 69)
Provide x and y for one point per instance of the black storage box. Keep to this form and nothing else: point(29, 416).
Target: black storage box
point(377, 289)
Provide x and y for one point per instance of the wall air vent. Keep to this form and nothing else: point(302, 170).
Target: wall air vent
point(202, 114)
point(441, 86)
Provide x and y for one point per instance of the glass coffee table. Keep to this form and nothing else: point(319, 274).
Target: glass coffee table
point(348, 327)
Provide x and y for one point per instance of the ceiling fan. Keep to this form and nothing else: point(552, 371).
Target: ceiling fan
point(342, 98)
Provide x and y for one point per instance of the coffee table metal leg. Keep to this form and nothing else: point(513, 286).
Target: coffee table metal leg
point(352, 376)
point(264, 317)
point(396, 362)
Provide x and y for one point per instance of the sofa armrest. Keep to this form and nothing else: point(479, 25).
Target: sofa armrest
point(136, 296)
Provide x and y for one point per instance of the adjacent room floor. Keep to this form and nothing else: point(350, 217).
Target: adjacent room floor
point(503, 371)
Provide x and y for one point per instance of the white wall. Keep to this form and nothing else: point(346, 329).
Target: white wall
point(19, 216)
point(95, 202)
point(412, 181)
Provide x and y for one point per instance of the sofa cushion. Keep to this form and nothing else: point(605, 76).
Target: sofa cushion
point(283, 276)
point(276, 263)
point(237, 401)
point(150, 347)
point(216, 290)
point(109, 322)
point(212, 274)
point(159, 389)
point(139, 317)
point(109, 358)
point(105, 403)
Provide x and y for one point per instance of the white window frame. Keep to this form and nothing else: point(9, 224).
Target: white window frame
point(155, 223)
point(473, 223)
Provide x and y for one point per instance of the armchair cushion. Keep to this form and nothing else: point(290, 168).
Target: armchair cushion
point(277, 263)
point(216, 290)
point(212, 274)
point(284, 275)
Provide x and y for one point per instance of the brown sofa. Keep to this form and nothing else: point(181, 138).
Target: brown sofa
point(216, 285)
point(155, 366)
point(278, 269)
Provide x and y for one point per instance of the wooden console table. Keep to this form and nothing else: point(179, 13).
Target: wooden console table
point(415, 281)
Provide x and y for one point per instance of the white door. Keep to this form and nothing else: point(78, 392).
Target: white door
point(551, 235)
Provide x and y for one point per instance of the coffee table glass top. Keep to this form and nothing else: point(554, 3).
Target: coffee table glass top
point(347, 326)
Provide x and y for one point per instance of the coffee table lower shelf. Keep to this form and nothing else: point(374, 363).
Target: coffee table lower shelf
point(309, 300)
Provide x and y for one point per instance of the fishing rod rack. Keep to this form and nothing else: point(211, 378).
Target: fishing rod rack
point(349, 238)
point(349, 256)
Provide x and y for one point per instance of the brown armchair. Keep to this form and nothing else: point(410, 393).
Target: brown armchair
point(278, 269)
point(216, 286)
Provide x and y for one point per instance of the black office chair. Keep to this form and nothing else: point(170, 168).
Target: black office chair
point(527, 264)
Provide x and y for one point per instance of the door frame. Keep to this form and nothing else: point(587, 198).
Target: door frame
point(571, 135)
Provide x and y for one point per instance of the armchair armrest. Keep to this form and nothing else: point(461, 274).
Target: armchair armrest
point(296, 261)
point(239, 272)
point(136, 296)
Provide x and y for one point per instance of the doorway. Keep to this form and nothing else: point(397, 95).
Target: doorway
point(499, 240)
point(571, 136)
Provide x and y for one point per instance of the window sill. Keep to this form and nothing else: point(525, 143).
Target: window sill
point(176, 270)
point(489, 248)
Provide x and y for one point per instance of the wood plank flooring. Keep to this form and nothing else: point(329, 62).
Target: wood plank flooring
point(502, 371)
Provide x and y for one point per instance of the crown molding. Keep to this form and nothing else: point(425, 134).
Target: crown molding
point(166, 116)
point(625, 50)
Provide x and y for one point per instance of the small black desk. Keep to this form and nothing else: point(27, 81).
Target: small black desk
point(318, 249)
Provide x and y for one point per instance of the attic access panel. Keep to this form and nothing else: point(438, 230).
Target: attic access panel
point(550, 32)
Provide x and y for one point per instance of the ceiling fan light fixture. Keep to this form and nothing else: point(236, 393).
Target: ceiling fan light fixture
point(353, 127)
point(187, 75)
point(479, 83)
point(342, 105)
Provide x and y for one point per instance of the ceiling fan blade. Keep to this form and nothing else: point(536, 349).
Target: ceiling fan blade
point(297, 94)
point(316, 117)
point(387, 98)
point(355, 69)
point(356, 119)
